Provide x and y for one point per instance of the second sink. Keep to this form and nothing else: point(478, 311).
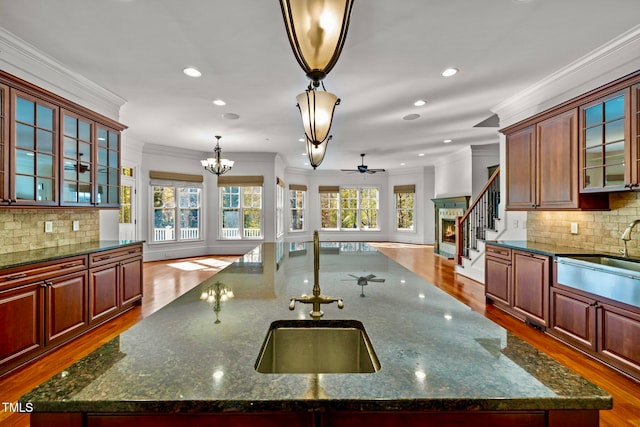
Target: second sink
point(317, 347)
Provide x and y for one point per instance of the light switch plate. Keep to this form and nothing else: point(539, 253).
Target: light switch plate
point(76, 225)
point(48, 226)
point(574, 228)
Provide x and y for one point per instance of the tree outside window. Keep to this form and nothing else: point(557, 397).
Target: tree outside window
point(166, 211)
point(404, 211)
point(352, 208)
point(240, 202)
point(329, 205)
point(296, 211)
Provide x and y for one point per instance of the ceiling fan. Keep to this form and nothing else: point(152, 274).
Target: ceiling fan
point(363, 168)
point(363, 281)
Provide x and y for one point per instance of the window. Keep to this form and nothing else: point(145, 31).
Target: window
point(405, 196)
point(296, 207)
point(176, 213)
point(279, 207)
point(177, 203)
point(353, 208)
point(241, 216)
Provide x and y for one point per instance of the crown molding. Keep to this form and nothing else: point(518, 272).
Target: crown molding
point(28, 63)
point(617, 58)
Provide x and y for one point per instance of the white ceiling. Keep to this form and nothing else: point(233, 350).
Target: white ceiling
point(394, 54)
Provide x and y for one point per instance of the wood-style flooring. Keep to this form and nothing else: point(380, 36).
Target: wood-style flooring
point(166, 280)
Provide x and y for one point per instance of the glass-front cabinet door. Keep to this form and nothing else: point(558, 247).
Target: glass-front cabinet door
point(107, 174)
point(4, 145)
point(77, 160)
point(605, 144)
point(34, 150)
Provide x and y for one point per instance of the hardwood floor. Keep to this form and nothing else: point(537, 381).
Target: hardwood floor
point(165, 280)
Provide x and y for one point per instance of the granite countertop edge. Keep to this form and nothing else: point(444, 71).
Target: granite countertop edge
point(550, 249)
point(25, 258)
point(303, 405)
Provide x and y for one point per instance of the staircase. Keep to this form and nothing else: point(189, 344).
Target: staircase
point(478, 224)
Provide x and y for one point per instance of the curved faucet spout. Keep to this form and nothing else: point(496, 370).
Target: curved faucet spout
point(317, 299)
point(626, 236)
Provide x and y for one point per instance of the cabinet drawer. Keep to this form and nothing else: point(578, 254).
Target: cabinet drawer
point(44, 270)
point(114, 255)
point(498, 252)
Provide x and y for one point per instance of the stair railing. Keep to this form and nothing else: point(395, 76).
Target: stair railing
point(480, 216)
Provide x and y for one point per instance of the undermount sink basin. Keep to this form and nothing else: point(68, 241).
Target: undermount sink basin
point(317, 347)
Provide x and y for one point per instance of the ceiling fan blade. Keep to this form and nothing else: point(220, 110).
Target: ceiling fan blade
point(377, 280)
point(370, 276)
point(353, 275)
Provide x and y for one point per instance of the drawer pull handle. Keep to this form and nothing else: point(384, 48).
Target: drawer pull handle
point(104, 258)
point(17, 276)
point(69, 265)
point(133, 251)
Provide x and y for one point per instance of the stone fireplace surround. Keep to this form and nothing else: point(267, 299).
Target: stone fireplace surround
point(447, 209)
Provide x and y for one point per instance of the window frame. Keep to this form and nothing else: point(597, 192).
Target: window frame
point(399, 209)
point(341, 208)
point(295, 208)
point(177, 230)
point(241, 212)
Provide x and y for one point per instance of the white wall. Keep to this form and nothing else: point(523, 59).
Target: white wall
point(482, 156)
point(453, 174)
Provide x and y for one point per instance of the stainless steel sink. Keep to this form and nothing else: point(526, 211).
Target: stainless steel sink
point(317, 347)
point(610, 277)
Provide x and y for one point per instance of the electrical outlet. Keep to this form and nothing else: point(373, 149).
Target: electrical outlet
point(48, 226)
point(515, 223)
point(574, 228)
point(76, 225)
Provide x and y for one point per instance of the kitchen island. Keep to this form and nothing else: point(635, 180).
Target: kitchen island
point(440, 362)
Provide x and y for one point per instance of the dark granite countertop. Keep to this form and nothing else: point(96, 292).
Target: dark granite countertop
point(18, 259)
point(435, 352)
point(545, 248)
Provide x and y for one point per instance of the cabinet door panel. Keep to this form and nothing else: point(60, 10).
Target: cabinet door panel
point(103, 293)
point(131, 281)
point(21, 320)
point(531, 286)
point(498, 279)
point(521, 169)
point(66, 307)
point(618, 332)
point(573, 318)
point(557, 144)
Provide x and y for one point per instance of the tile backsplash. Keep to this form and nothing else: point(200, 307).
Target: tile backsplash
point(24, 229)
point(599, 231)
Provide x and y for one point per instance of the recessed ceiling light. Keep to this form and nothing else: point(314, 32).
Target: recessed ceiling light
point(411, 117)
point(301, 140)
point(219, 102)
point(446, 141)
point(402, 164)
point(231, 116)
point(303, 154)
point(450, 72)
point(419, 102)
point(421, 155)
point(192, 72)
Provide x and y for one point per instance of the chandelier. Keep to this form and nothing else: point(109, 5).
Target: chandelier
point(317, 30)
point(215, 295)
point(217, 165)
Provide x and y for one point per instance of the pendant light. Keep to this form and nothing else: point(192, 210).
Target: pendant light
point(217, 165)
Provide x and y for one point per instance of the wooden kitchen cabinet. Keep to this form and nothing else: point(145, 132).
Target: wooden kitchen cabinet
point(618, 332)
point(518, 282)
point(572, 318)
point(498, 274)
point(66, 307)
point(115, 281)
point(542, 167)
point(21, 317)
point(4, 143)
point(635, 136)
point(54, 152)
point(531, 286)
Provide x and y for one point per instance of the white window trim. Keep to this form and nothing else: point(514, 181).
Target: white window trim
point(303, 209)
point(339, 209)
point(176, 185)
point(241, 215)
point(413, 222)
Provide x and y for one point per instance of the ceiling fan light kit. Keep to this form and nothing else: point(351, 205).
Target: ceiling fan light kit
point(317, 30)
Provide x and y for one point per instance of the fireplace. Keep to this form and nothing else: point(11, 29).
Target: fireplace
point(446, 211)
